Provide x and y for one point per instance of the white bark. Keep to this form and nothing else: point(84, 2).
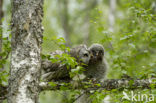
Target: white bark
point(26, 48)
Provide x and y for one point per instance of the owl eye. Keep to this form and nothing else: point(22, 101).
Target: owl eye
point(85, 55)
point(93, 51)
point(100, 51)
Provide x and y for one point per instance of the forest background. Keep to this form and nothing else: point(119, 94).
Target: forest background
point(126, 29)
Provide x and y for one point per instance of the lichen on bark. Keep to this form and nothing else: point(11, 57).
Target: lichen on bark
point(26, 25)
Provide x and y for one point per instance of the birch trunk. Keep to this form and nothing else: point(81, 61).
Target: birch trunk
point(26, 48)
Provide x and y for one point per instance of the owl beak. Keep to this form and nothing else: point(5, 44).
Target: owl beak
point(97, 53)
point(95, 56)
point(91, 54)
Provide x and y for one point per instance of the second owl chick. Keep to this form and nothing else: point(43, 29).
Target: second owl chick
point(54, 71)
point(97, 66)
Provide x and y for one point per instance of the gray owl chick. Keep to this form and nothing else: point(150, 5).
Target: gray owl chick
point(81, 53)
point(97, 65)
point(54, 71)
point(96, 69)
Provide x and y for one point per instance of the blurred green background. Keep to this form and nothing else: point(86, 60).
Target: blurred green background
point(126, 29)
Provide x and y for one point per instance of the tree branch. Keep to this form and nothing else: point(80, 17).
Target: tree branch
point(107, 84)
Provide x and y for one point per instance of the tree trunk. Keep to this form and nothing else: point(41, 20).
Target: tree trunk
point(26, 48)
point(90, 5)
point(86, 28)
point(64, 16)
point(111, 18)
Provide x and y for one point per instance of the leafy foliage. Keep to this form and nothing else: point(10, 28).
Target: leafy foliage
point(4, 54)
point(130, 49)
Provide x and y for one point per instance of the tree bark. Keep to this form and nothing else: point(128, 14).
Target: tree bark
point(109, 84)
point(26, 48)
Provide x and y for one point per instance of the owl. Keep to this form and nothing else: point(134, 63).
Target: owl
point(55, 71)
point(97, 66)
point(96, 69)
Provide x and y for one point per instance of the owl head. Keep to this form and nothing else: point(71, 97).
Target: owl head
point(96, 52)
point(81, 53)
